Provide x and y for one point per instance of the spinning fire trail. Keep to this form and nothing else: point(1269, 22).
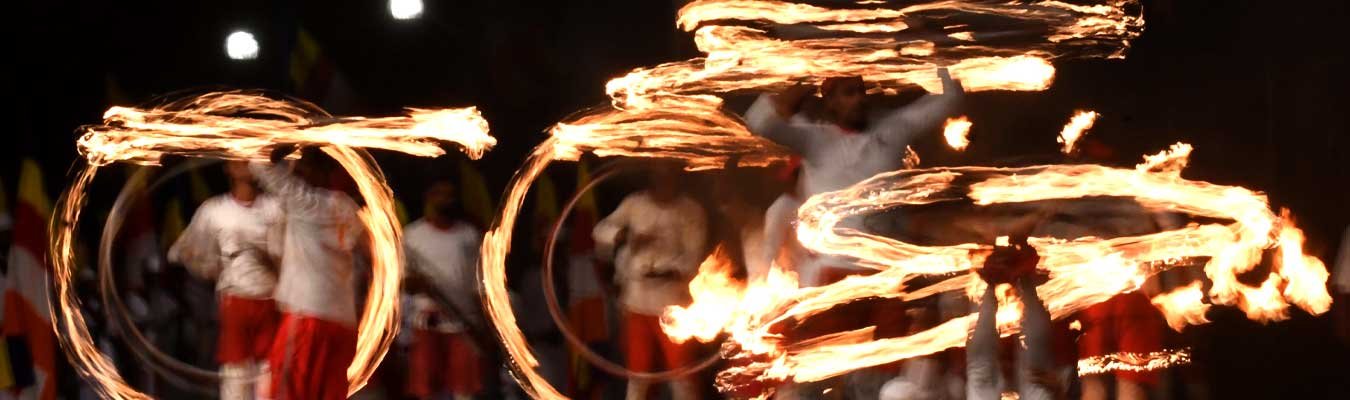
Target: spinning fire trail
point(242, 126)
point(673, 111)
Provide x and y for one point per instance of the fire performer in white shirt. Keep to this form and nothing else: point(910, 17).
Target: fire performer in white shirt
point(316, 339)
point(227, 241)
point(443, 251)
point(658, 238)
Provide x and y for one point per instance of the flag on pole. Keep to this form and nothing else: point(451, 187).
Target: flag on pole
point(173, 223)
point(27, 324)
point(545, 200)
point(6, 374)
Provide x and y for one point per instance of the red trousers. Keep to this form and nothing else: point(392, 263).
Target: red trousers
point(443, 362)
point(1125, 323)
point(310, 357)
point(247, 327)
point(643, 339)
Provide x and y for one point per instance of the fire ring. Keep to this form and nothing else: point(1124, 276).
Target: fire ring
point(555, 310)
point(377, 325)
point(179, 373)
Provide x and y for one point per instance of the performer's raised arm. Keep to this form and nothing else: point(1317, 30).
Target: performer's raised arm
point(900, 127)
point(982, 366)
point(299, 196)
point(770, 117)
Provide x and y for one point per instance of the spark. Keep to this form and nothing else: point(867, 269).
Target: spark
point(1183, 306)
point(1137, 362)
point(911, 158)
point(957, 132)
point(1080, 123)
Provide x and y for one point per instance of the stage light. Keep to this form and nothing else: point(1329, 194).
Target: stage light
point(241, 45)
point(405, 9)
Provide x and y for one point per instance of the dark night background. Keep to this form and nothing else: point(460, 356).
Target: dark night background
point(1258, 87)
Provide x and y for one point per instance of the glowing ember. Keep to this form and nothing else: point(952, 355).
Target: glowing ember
point(1133, 362)
point(911, 158)
point(1081, 122)
point(672, 111)
point(957, 132)
point(196, 128)
point(1183, 306)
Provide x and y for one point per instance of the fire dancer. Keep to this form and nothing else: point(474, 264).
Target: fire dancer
point(443, 249)
point(657, 238)
point(1015, 264)
point(845, 146)
point(227, 241)
point(316, 339)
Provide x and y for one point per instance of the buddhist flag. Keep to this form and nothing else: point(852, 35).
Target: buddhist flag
point(173, 223)
point(27, 324)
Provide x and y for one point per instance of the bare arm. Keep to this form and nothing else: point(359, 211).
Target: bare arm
point(291, 190)
point(982, 369)
point(778, 226)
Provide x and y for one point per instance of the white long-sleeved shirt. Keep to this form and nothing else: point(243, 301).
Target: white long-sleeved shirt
point(582, 282)
point(833, 158)
point(447, 258)
point(322, 229)
point(1342, 268)
point(779, 238)
point(678, 232)
point(228, 241)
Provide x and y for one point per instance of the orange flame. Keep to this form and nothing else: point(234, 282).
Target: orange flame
point(712, 289)
point(143, 136)
point(1083, 271)
point(672, 111)
point(957, 132)
point(1183, 306)
point(1133, 361)
point(1081, 122)
point(911, 158)
point(207, 126)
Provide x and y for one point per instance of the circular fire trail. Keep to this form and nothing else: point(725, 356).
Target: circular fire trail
point(672, 111)
point(243, 126)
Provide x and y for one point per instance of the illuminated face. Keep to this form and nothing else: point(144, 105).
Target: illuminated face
point(440, 198)
point(238, 171)
point(844, 101)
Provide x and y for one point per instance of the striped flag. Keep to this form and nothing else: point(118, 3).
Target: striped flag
point(174, 223)
point(545, 201)
point(27, 324)
point(6, 373)
point(316, 78)
point(139, 241)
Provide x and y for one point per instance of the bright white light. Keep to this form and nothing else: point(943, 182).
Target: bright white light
point(405, 9)
point(241, 45)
